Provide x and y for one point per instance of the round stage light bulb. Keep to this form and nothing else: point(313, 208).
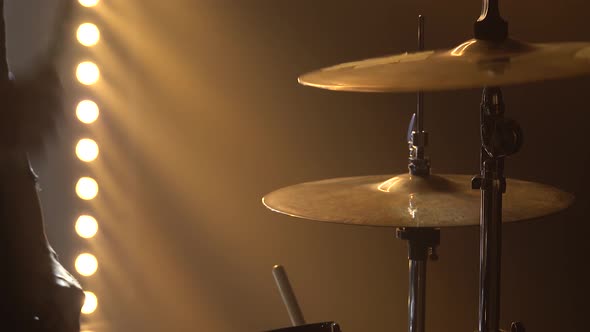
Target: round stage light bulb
point(90, 303)
point(87, 73)
point(88, 3)
point(86, 226)
point(87, 188)
point(87, 111)
point(88, 34)
point(87, 150)
point(86, 264)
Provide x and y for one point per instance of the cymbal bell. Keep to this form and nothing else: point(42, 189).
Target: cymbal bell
point(474, 63)
point(410, 201)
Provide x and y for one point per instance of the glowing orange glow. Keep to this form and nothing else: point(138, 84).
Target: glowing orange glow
point(87, 111)
point(87, 73)
point(387, 185)
point(88, 3)
point(87, 150)
point(459, 50)
point(88, 34)
point(86, 264)
point(86, 226)
point(90, 303)
point(87, 188)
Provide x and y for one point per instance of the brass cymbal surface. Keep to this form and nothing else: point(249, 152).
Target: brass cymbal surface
point(410, 201)
point(474, 63)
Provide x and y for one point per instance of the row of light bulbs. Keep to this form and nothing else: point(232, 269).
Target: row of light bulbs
point(87, 111)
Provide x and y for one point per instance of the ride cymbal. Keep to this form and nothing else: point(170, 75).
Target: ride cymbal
point(475, 63)
point(410, 201)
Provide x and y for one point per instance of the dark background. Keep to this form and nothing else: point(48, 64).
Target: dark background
point(202, 116)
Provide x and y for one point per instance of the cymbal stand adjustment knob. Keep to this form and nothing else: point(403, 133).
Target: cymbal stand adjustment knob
point(500, 136)
point(418, 164)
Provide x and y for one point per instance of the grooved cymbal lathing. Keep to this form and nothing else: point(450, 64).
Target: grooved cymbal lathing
point(410, 201)
point(475, 63)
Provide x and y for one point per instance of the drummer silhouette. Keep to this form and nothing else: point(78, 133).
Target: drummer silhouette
point(37, 293)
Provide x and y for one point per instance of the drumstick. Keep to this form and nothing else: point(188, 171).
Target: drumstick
point(288, 296)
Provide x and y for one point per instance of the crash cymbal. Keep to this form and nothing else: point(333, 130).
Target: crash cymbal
point(475, 63)
point(410, 201)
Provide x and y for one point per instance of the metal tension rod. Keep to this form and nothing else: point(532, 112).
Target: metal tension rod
point(418, 138)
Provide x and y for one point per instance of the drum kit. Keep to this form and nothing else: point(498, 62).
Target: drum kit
point(419, 203)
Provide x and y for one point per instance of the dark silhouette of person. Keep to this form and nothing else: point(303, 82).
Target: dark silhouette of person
point(37, 293)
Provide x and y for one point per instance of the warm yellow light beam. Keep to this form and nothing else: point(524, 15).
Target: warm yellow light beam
point(87, 73)
point(88, 3)
point(86, 264)
point(88, 34)
point(86, 226)
point(86, 188)
point(90, 303)
point(87, 150)
point(87, 111)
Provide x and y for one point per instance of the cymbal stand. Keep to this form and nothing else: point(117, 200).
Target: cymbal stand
point(422, 243)
point(417, 137)
point(500, 137)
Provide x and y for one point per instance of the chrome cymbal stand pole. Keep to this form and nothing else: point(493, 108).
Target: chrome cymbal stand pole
point(500, 137)
point(422, 243)
point(417, 137)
